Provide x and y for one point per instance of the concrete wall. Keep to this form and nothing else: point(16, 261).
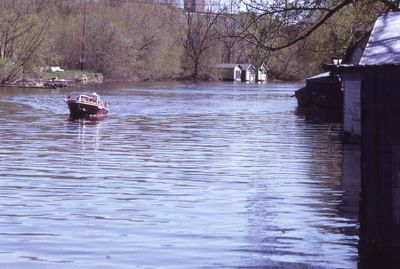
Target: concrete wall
point(352, 107)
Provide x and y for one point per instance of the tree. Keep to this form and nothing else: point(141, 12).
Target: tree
point(126, 42)
point(152, 35)
point(306, 16)
point(22, 33)
point(200, 36)
point(310, 31)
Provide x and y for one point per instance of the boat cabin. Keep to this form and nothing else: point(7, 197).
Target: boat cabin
point(89, 98)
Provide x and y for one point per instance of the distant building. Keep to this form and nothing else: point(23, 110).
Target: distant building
point(248, 73)
point(242, 72)
point(261, 74)
point(194, 5)
point(230, 72)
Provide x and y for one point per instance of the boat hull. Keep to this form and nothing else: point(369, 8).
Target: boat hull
point(78, 110)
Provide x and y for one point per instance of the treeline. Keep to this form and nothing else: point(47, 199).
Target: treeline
point(143, 40)
point(121, 41)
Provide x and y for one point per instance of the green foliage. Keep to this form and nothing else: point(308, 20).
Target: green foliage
point(202, 44)
point(125, 40)
point(151, 35)
point(6, 68)
point(69, 74)
point(22, 35)
point(295, 38)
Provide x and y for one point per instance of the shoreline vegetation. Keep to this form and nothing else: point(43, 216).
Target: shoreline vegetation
point(74, 78)
point(121, 40)
point(59, 79)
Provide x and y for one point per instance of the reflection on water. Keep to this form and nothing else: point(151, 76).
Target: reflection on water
point(178, 176)
point(317, 115)
point(351, 179)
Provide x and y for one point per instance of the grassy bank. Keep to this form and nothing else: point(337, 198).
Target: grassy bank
point(71, 75)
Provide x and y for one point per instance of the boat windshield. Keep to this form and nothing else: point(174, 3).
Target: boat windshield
point(89, 98)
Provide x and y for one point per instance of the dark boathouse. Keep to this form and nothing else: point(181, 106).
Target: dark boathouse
point(372, 104)
point(380, 161)
point(372, 112)
point(383, 48)
point(321, 91)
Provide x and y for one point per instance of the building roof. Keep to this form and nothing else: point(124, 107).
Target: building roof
point(261, 66)
point(227, 65)
point(383, 46)
point(321, 75)
point(246, 66)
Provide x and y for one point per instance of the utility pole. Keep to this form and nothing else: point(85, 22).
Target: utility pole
point(82, 60)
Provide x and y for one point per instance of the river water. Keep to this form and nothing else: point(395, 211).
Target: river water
point(178, 176)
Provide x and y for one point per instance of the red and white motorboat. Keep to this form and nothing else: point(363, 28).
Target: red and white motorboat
point(87, 106)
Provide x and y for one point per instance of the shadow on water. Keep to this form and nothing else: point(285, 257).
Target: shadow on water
point(371, 254)
point(348, 184)
point(315, 115)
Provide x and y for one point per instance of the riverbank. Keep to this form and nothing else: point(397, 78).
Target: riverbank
point(58, 79)
point(46, 79)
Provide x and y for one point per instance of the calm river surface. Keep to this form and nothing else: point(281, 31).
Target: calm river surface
point(179, 176)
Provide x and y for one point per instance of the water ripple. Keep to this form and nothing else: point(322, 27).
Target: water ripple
point(178, 176)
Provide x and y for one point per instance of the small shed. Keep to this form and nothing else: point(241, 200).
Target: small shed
point(248, 73)
point(261, 74)
point(230, 72)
